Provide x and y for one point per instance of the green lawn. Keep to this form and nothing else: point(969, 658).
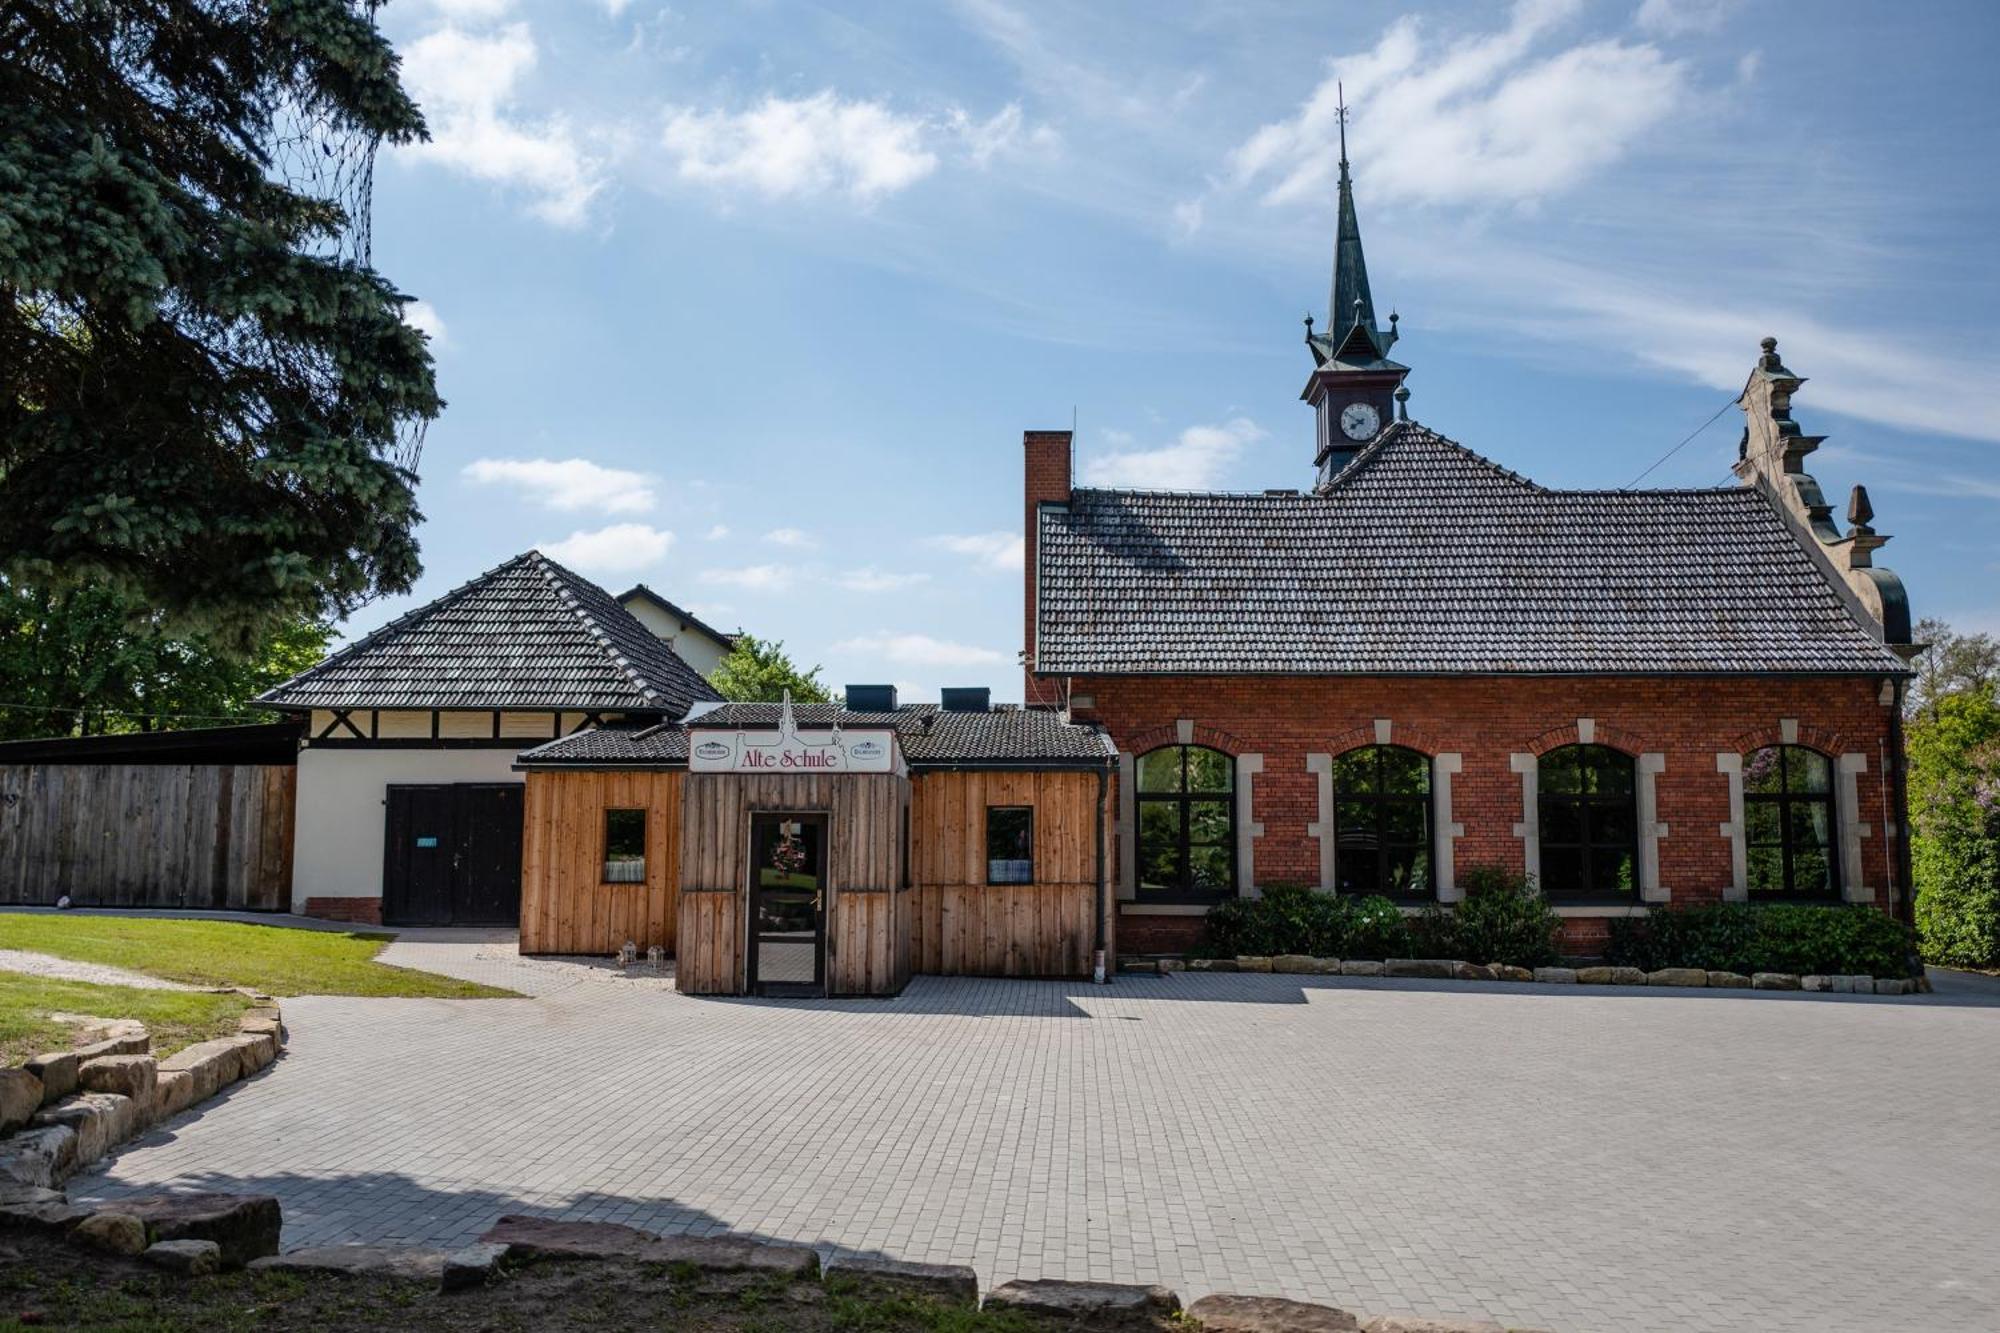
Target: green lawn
point(276, 960)
point(173, 1018)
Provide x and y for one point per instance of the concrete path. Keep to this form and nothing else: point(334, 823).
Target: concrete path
point(1571, 1158)
point(64, 969)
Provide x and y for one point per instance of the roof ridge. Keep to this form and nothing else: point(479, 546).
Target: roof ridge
point(1399, 430)
point(560, 578)
point(415, 615)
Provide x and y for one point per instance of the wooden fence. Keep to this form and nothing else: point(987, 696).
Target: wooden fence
point(147, 835)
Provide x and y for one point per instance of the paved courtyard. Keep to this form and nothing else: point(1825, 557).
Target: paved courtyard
point(1570, 1158)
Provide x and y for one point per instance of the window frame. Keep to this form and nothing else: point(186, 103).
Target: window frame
point(1784, 799)
point(1029, 812)
point(1379, 802)
point(1182, 799)
point(604, 861)
point(1587, 805)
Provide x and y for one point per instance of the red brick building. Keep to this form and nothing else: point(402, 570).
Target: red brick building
point(1426, 663)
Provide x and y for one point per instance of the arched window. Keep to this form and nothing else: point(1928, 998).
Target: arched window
point(1589, 823)
point(1187, 824)
point(1788, 824)
point(1382, 822)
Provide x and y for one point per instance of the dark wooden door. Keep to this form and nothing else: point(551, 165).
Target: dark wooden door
point(487, 887)
point(422, 843)
point(788, 904)
point(453, 854)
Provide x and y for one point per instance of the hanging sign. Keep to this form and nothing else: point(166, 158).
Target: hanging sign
point(787, 749)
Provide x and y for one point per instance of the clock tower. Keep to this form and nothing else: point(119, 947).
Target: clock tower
point(1355, 389)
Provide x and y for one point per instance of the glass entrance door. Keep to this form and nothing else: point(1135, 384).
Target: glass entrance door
point(788, 904)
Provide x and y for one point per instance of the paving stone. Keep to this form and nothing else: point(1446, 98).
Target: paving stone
point(1268, 1314)
point(245, 1226)
point(1677, 976)
point(1100, 1303)
point(1892, 986)
point(949, 1284)
point(1439, 969)
point(20, 1098)
point(189, 1258)
point(415, 1262)
point(113, 1233)
point(57, 1071)
point(1412, 1324)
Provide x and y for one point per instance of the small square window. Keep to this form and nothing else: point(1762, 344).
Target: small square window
point(1010, 844)
point(624, 846)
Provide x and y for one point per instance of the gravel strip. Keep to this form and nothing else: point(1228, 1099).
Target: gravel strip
point(64, 969)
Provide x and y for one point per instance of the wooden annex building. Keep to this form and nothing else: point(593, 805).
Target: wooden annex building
point(825, 849)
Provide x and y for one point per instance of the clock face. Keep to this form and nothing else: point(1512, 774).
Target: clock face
point(1359, 421)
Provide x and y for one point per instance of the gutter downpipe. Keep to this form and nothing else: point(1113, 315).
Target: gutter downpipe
point(1099, 964)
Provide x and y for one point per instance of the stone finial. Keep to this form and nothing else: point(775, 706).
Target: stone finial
point(1859, 511)
point(1402, 400)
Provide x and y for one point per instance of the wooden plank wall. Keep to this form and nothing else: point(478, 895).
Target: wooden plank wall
point(965, 926)
point(566, 908)
point(864, 835)
point(148, 835)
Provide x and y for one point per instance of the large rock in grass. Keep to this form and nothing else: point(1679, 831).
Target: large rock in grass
point(20, 1098)
point(1087, 1304)
point(40, 1157)
point(245, 1226)
point(948, 1284)
point(472, 1266)
point(111, 1232)
point(416, 1263)
point(130, 1076)
point(541, 1237)
point(1268, 1314)
point(101, 1120)
point(189, 1258)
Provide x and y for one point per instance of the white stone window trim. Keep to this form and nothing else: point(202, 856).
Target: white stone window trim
point(1651, 830)
point(1444, 833)
point(1248, 830)
point(1730, 765)
point(1529, 830)
point(1848, 769)
point(1128, 826)
point(1321, 767)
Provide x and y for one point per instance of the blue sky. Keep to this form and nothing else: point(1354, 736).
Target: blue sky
point(751, 301)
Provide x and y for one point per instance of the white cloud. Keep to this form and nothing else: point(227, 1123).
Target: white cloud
point(1475, 120)
point(424, 318)
point(793, 147)
point(1196, 460)
point(757, 578)
point(718, 532)
point(567, 483)
point(466, 83)
point(793, 537)
point(622, 548)
point(1674, 18)
point(472, 9)
point(987, 550)
point(1005, 133)
point(871, 579)
point(920, 650)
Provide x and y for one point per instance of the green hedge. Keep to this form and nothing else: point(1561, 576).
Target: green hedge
point(1832, 940)
point(1501, 921)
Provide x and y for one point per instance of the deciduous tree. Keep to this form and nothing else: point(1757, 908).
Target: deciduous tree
point(759, 671)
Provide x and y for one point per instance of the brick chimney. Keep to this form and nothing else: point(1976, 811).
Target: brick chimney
point(1047, 473)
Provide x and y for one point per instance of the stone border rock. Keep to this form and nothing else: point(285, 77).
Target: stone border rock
point(1452, 969)
point(64, 1110)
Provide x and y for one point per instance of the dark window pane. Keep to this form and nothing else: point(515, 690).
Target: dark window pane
point(1160, 770)
point(1562, 870)
point(1761, 823)
point(1807, 770)
point(1010, 844)
point(1615, 872)
point(1560, 772)
point(624, 846)
point(1562, 821)
point(1354, 824)
point(1403, 821)
point(1763, 772)
point(1208, 869)
point(1209, 770)
point(1357, 872)
point(1611, 772)
point(1812, 871)
point(1812, 825)
point(1611, 822)
point(1767, 869)
point(1160, 866)
point(1405, 772)
point(1355, 772)
point(1409, 872)
point(1208, 821)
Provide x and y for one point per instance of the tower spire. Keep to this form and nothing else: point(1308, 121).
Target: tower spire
point(1351, 304)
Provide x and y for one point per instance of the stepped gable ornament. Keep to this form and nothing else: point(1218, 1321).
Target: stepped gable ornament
point(1771, 457)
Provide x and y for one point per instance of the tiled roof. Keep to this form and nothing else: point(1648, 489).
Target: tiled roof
point(930, 737)
point(1425, 558)
point(677, 611)
point(527, 634)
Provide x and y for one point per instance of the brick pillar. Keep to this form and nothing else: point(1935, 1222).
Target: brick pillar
point(1048, 482)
